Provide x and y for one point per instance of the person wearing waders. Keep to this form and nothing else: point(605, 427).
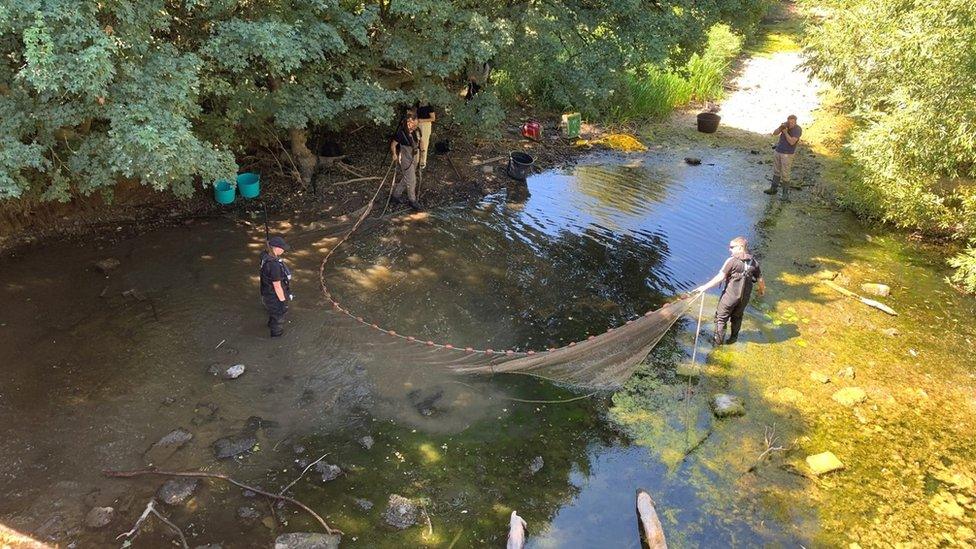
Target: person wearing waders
point(275, 284)
point(783, 153)
point(739, 272)
point(405, 148)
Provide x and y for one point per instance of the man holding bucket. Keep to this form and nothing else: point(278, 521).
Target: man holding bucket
point(275, 284)
point(789, 136)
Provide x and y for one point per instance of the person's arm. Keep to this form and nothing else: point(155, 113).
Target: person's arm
point(716, 280)
point(761, 287)
point(790, 139)
point(778, 130)
point(393, 149)
point(279, 290)
point(433, 116)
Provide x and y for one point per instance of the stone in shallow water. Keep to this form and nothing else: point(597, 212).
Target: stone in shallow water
point(166, 446)
point(329, 471)
point(363, 504)
point(234, 371)
point(178, 490)
point(401, 513)
point(234, 445)
point(99, 517)
point(367, 442)
point(850, 396)
point(846, 373)
point(107, 264)
point(890, 332)
point(882, 290)
point(823, 463)
point(820, 377)
point(688, 370)
point(789, 394)
point(307, 540)
point(536, 465)
point(724, 405)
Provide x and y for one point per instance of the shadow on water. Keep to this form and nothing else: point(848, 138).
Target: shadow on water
point(573, 253)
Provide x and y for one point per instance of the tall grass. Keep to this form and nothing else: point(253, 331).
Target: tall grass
point(655, 91)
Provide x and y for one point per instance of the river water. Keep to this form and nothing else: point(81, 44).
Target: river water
point(98, 367)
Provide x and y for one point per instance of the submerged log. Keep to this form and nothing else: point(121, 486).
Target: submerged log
point(650, 526)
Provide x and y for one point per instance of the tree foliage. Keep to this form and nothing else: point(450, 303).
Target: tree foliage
point(907, 68)
point(167, 92)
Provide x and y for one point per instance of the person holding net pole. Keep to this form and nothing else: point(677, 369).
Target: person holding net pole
point(740, 273)
point(405, 148)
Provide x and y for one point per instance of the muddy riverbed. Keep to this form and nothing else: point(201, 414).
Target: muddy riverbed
point(99, 366)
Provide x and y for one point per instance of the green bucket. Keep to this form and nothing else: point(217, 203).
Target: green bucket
point(224, 192)
point(249, 184)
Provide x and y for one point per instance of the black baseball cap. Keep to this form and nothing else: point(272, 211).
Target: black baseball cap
point(278, 242)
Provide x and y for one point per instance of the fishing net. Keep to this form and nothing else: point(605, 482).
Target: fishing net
point(602, 361)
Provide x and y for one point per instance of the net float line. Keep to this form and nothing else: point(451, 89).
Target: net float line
point(514, 360)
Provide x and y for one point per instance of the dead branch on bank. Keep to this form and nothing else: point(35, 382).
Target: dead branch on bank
point(221, 476)
point(151, 509)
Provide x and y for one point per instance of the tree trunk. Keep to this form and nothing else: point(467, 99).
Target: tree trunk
point(305, 160)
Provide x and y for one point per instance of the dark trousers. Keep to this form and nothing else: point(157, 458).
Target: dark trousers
point(730, 310)
point(276, 314)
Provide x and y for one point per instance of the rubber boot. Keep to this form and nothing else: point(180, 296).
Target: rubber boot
point(786, 192)
point(772, 189)
point(416, 206)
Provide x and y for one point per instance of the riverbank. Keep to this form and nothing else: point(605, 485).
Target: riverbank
point(892, 397)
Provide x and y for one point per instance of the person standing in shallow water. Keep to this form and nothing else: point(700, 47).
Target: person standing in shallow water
point(740, 273)
point(405, 149)
point(275, 284)
point(789, 136)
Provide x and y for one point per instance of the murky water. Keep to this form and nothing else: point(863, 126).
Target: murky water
point(94, 373)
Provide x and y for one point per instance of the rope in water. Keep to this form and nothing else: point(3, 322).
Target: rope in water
point(338, 307)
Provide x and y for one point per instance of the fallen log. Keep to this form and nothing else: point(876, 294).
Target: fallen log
point(650, 525)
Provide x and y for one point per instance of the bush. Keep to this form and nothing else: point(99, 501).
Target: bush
point(965, 275)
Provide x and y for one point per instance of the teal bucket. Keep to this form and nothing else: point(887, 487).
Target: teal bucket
point(249, 184)
point(223, 192)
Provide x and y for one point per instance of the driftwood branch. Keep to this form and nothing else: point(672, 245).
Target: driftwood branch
point(151, 509)
point(349, 169)
point(221, 476)
point(292, 483)
point(355, 180)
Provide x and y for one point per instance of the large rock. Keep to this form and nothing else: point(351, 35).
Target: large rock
point(401, 513)
point(307, 540)
point(724, 405)
point(178, 490)
point(99, 517)
point(850, 396)
point(823, 463)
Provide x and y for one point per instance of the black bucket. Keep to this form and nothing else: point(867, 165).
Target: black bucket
point(708, 122)
point(520, 165)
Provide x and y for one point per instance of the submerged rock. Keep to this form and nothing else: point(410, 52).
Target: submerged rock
point(307, 540)
point(426, 405)
point(401, 513)
point(363, 504)
point(850, 396)
point(329, 472)
point(891, 332)
point(248, 515)
point(846, 373)
point(789, 394)
point(99, 517)
point(178, 490)
point(692, 161)
point(724, 405)
point(688, 370)
point(820, 377)
point(233, 445)
point(166, 446)
point(366, 442)
point(234, 371)
point(823, 463)
point(536, 465)
point(107, 264)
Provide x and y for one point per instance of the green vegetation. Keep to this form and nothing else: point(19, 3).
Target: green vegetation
point(654, 92)
point(906, 71)
point(170, 93)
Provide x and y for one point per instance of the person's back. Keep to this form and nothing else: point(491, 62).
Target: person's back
point(740, 273)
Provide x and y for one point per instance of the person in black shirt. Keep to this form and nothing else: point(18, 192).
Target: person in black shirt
point(739, 272)
point(405, 147)
point(275, 284)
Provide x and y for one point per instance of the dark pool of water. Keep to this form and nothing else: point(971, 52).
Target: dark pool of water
point(93, 374)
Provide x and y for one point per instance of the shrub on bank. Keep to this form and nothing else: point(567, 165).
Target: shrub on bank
point(906, 70)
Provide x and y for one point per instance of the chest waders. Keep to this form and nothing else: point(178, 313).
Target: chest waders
point(277, 308)
point(735, 297)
